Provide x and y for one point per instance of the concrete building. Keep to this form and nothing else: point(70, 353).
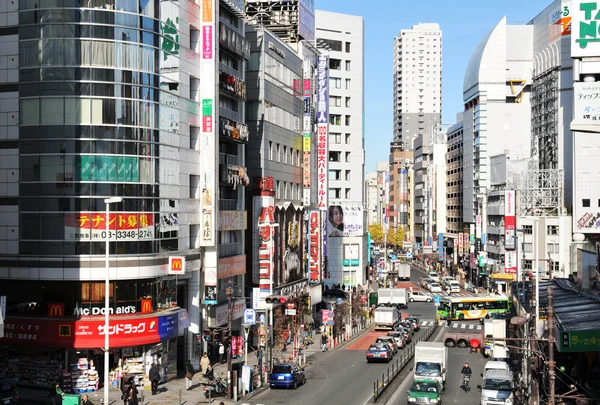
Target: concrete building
point(373, 198)
point(454, 177)
point(417, 82)
point(342, 37)
point(401, 195)
point(422, 190)
point(90, 113)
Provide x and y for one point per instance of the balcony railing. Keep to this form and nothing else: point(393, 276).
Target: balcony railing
point(226, 159)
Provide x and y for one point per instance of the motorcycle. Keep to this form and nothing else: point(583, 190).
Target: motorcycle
point(215, 387)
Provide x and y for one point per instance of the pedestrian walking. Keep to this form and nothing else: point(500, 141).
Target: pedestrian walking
point(189, 375)
point(221, 352)
point(86, 400)
point(131, 398)
point(204, 363)
point(324, 340)
point(154, 376)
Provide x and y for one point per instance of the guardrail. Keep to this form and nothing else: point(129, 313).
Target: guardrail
point(398, 364)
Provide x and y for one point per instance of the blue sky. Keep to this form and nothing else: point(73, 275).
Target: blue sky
point(463, 25)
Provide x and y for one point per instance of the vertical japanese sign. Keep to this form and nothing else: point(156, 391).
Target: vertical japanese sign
point(314, 245)
point(210, 286)
point(322, 130)
point(441, 247)
point(306, 132)
point(478, 225)
point(510, 261)
point(208, 144)
point(509, 220)
point(460, 244)
point(264, 220)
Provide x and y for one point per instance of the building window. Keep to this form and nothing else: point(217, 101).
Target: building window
point(347, 139)
point(528, 229)
point(334, 156)
point(585, 202)
point(331, 43)
point(527, 247)
point(527, 265)
point(335, 64)
point(552, 230)
point(271, 149)
point(347, 84)
point(278, 189)
point(335, 101)
point(285, 154)
point(347, 47)
point(298, 161)
point(347, 175)
point(335, 83)
point(553, 248)
point(279, 153)
point(348, 102)
point(347, 66)
point(335, 137)
point(334, 174)
point(335, 193)
point(347, 120)
point(347, 194)
point(347, 157)
point(335, 119)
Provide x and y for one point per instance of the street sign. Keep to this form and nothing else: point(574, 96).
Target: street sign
point(394, 257)
point(339, 301)
point(436, 300)
point(249, 317)
point(290, 312)
point(409, 255)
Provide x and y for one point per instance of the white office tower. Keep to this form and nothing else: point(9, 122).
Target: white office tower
point(417, 82)
point(340, 36)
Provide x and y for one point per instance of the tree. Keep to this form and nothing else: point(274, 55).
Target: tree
point(395, 237)
point(376, 232)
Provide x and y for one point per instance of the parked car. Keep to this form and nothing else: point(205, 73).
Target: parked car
point(420, 296)
point(399, 338)
point(435, 288)
point(287, 375)
point(390, 341)
point(379, 352)
point(8, 393)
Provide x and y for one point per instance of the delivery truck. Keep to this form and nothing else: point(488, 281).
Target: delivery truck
point(386, 318)
point(431, 360)
point(495, 334)
point(392, 297)
point(404, 271)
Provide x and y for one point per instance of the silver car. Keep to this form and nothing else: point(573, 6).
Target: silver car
point(420, 296)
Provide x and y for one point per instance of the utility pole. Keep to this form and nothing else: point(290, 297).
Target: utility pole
point(551, 339)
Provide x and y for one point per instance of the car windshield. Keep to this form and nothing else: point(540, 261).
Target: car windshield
point(428, 369)
point(496, 384)
point(424, 386)
point(435, 285)
point(282, 369)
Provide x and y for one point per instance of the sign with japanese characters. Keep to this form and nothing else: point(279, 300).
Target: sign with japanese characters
point(510, 262)
point(509, 219)
point(559, 21)
point(585, 39)
point(345, 219)
point(314, 245)
point(231, 266)
point(460, 244)
point(322, 130)
point(579, 341)
point(91, 226)
point(233, 220)
point(264, 217)
point(586, 109)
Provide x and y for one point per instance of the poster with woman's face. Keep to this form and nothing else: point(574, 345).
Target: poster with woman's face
point(336, 221)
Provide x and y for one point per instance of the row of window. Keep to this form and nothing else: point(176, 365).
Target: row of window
point(550, 229)
point(336, 101)
point(336, 83)
point(144, 7)
point(88, 31)
point(280, 117)
point(288, 191)
point(283, 76)
point(283, 154)
point(336, 156)
point(336, 119)
point(66, 80)
point(336, 174)
point(336, 138)
point(336, 64)
point(334, 45)
point(63, 133)
point(551, 247)
point(131, 203)
point(59, 248)
point(336, 193)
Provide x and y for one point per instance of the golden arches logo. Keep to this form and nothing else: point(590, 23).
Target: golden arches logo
point(146, 306)
point(56, 310)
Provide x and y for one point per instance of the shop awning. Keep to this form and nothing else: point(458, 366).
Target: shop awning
point(502, 276)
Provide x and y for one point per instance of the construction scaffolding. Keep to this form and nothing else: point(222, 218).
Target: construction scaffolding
point(279, 17)
point(544, 119)
point(540, 190)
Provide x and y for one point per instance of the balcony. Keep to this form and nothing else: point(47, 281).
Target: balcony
point(226, 159)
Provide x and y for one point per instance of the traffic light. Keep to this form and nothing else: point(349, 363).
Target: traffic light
point(277, 299)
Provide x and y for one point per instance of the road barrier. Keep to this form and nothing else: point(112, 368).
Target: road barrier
point(398, 364)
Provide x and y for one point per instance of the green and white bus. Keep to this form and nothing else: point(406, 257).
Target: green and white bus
point(472, 307)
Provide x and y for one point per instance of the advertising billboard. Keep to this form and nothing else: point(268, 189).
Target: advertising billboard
point(460, 244)
point(306, 19)
point(586, 108)
point(263, 218)
point(345, 220)
point(559, 21)
point(509, 220)
point(585, 39)
point(322, 130)
point(124, 226)
point(233, 220)
point(314, 245)
point(231, 266)
point(510, 262)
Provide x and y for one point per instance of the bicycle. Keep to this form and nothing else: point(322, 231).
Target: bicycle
point(465, 384)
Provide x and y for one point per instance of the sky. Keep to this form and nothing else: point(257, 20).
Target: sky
point(463, 25)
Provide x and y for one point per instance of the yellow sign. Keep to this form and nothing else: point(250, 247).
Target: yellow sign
point(306, 146)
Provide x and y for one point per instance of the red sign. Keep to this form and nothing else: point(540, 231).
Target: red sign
point(265, 250)
point(291, 305)
point(146, 306)
point(314, 250)
point(176, 265)
point(81, 334)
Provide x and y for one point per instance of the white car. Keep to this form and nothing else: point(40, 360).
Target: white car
point(435, 288)
point(434, 276)
point(420, 296)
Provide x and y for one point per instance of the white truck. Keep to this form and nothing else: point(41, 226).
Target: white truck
point(386, 318)
point(454, 286)
point(431, 360)
point(493, 330)
point(403, 271)
point(392, 297)
point(497, 387)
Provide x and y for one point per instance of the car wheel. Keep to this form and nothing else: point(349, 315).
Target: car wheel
point(461, 317)
point(411, 300)
point(295, 384)
point(428, 300)
point(368, 361)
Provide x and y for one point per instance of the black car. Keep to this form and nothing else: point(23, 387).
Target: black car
point(8, 393)
point(379, 352)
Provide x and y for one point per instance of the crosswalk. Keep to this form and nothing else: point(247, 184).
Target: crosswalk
point(454, 325)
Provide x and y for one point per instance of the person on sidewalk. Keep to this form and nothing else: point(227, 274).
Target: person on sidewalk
point(154, 376)
point(221, 352)
point(86, 400)
point(189, 375)
point(324, 340)
point(204, 363)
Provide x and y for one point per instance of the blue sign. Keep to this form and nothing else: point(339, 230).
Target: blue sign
point(167, 326)
point(339, 300)
point(437, 299)
point(409, 255)
point(483, 238)
point(441, 247)
point(249, 317)
point(394, 257)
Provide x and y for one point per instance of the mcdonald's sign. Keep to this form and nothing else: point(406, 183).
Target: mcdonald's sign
point(56, 310)
point(176, 265)
point(146, 306)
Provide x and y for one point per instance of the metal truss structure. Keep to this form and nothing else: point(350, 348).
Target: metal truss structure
point(541, 190)
point(281, 17)
point(544, 118)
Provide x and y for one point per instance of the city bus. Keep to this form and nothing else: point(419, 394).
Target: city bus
point(472, 307)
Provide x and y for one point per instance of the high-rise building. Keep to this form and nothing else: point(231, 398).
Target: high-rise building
point(124, 108)
point(454, 177)
point(341, 37)
point(417, 82)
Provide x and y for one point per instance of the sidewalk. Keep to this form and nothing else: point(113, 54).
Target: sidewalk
point(171, 392)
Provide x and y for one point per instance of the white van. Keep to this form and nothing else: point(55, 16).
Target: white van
point(495, 365)
point(454, 286)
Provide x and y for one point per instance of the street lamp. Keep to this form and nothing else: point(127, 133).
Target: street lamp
point(107, 201)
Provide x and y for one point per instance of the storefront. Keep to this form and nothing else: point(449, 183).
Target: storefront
point(501, 282)
point(40, 352)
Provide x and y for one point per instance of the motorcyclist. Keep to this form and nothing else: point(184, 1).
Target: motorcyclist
point(466, 372)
